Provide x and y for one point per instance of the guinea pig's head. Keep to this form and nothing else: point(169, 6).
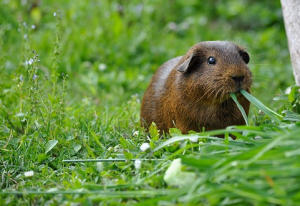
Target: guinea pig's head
point(214, 69)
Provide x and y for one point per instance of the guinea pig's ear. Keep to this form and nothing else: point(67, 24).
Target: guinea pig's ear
point(245, 56)
point(185, 65)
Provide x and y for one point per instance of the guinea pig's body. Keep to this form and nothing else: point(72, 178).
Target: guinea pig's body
point(192, 91)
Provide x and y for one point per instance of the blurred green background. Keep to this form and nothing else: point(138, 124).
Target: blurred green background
point(111, 48)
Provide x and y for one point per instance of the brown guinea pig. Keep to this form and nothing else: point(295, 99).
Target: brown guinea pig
point(193, 91)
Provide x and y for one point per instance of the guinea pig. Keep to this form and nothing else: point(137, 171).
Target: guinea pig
point(192, 92)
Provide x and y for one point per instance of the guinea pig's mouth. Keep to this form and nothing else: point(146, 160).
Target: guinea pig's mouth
point(237, 83)
point(237, 88)
point(237, 92)
point(224, 94)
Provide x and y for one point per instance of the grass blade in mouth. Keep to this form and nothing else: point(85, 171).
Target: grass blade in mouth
point(233, 96)
point(261, 106)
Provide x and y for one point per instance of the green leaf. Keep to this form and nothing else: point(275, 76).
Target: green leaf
point(261, 106)
point(233, 96)
point(42, 157)
point(175, 176)
point(127, 155)
point(49, 145)
point(174, 132)
point(125, 144)
point(154, 133)
point(282, 97)
point(293, 93)
point(171, 141)
point(291, 116)
point(76, 147)
point(89, 149)
point(291, 96)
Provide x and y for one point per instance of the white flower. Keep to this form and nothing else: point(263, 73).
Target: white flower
point(29, 62)
point(29, 174)
point(99, 166)
point(137, 164)
point(101, 67)
point(136, 133)
point(234, 163)
point(145, 146)
point(174, 176)
point(33, 26)
point(141, 77)
point(118, 148)
point(54, 14)
point(288, 90)
point(194, 138)
point(172, 26)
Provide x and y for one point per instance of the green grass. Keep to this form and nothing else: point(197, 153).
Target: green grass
point(79, 99)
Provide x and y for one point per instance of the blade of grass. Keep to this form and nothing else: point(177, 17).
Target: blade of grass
point(233, 96)
point(110, 160)
point(261, 106)
point(101, 193)
point(183, 137)
point(210, 135)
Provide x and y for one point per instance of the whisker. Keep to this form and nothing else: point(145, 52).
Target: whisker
point(207, 91)
point(211, 93)
point(216, 95)
point(203, 95)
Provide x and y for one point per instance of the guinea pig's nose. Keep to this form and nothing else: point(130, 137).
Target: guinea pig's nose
point(238, 79)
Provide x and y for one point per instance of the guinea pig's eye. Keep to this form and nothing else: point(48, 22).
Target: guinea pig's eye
point(211, 61)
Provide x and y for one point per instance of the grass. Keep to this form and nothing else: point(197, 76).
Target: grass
point(78, 98)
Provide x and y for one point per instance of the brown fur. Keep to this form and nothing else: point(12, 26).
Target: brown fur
point(188, 93)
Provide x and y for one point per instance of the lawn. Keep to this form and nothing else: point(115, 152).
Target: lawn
point(72, 77)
